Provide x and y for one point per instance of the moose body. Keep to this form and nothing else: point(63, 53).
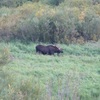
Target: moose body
point(49, 50)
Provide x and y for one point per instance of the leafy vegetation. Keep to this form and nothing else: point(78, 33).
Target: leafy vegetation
point(69, 21)
point(4, 55)
point(30, 76)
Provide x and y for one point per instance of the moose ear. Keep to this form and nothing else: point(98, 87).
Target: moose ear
point(59, 48)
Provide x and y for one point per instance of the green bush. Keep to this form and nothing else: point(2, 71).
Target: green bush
point(89, 28)
point(70, 22)
point(44, 28)
point(4, 56)
point(14, 3)
point(96, 1)
point(52, 2)
point(78, 3)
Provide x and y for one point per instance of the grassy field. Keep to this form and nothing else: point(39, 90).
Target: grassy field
point(25, 75)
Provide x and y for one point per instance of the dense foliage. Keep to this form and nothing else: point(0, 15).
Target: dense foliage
point(53, 21)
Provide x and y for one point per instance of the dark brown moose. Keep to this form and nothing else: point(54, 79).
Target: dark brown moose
point(48, 50)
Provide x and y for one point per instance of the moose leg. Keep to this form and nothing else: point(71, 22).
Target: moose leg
point(51, 53)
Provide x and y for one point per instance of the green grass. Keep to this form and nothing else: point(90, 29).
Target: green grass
point(74, 75)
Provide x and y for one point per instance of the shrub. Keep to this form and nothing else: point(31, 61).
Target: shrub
point(78, 3)
point(4, 55)
point(50, 27)
point(70, 22)
point(51, 2)
point(96, 2)
point(14, 3)
point(89, 28)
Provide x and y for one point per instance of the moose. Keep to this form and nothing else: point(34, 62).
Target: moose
point(48, 50)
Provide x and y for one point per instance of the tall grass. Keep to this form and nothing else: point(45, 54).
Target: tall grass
point(75, 75)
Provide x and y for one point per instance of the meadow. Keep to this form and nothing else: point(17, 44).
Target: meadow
point(25, 75)
point(73, 75)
